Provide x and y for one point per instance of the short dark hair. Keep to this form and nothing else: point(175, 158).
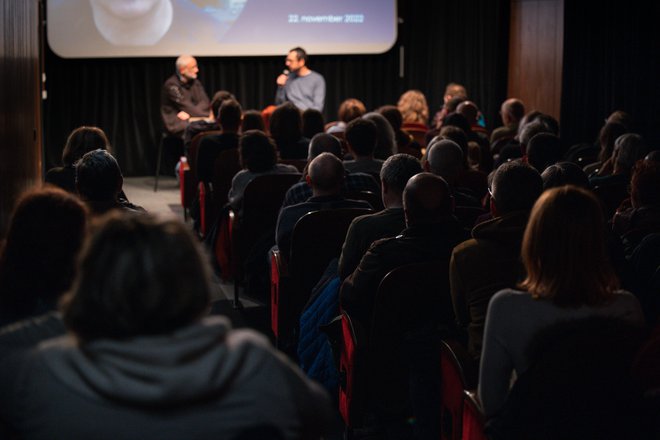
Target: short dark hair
point(313, 123)
point(252, 120)
point(218, 99)
point(398, 169)
point(230, 115)
point(351, 109)
point(515, 187)
point(98, 177)
point(564, 173)
point(83, 140)
point(393, 116)
point(324, 143)
point(300, 53)
point(257, 151)
point(286, 124)
point(326, 172)
point(362, 135)
point(426, 199)
point(139, 275)
point(544, 149)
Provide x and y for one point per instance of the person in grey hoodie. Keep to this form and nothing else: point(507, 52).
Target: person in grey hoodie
point(141, 361)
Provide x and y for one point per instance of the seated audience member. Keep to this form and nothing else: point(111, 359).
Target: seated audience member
point(414, 109)
point(252, 120)
point(564, 173)
point(327, 143)
point(454, 94)
point(326, 174)
point(257, 156)
point(511, 112)
point(490, 260)
point(81, 140)
point(366, 229)
point(99, 182)
point(349, 110)
point(210, 147)
point(141, 360)
point(312, 123)
point(569, 277)
point(431, 233)
point(286, 130)
point(37, 263)
point(632, 224)
point(473, 179)
point(405, 142)
point(385, 143)
point(445, 159)
point(361, 136)
point(607, 136)
point(213, 123)
point(543, 150)
point(477, 135)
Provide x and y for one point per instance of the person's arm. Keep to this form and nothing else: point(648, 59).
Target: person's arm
point(319, 94)
point(202, 103)
point(496, 363)
point(280, 95)
point(171, 104)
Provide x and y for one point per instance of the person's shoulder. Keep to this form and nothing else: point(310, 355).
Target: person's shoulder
point(509, 297)
point(465, 248)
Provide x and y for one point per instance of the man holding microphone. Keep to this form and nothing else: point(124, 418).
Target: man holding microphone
point(299, 84)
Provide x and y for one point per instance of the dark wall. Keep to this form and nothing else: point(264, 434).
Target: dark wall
point(611, 61)
point(20, 101)
point(456, 40)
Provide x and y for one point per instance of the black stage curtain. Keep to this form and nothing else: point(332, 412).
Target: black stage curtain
point(611, 62)
point(464, 41)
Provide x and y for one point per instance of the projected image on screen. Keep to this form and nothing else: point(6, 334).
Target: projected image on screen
point(130, 28)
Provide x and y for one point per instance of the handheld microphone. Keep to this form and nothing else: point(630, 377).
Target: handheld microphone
point(285, 72)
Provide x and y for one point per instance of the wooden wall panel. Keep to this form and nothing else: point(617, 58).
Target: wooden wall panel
point(535, 54)
point(20, 102)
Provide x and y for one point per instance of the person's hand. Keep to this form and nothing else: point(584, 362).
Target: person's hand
point(183, 115)
point(281, 80)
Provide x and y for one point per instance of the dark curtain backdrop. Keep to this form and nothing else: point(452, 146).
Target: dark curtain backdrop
point(464, 41)
point(611, 62)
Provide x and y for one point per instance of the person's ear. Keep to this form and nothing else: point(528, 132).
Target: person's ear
point(308, 180)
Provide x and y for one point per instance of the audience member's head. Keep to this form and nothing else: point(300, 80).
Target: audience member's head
point(514, 187)
point(361, 136)
point(621, 117)
point(286, 123)
point(393, 116)
point(459, 136)
point(413, 107)
point(563, 249)
point(628, 149)
point(37, 263)
point(426, 199)
point(230, 116)
point(326, 174)
point(564, 173)
point(543, 150)
point(98, 177)
point(218, 99)
point(469, 110)
point(386, 143)
point(454, 90)
point(139, 275)
point(451, 105)
point(252, 120)
point(324, 143)
point(312, 122)
point(83, 140)
point(653, 156)
point(257, 151)
point(351, 109)
point(394, 174)
point(608, 134)
point(445, 159)
point(457, 120)
point(645, 184)
point(528, 118)
point(512, 111)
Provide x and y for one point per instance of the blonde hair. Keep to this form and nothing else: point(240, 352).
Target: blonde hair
point(413, 107)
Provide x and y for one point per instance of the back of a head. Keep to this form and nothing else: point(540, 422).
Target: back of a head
point(324, 143)
point(515, 187)
point(457, 120)
point(257, 151)
point(230, 116)
point(98, 177)
point(362, 135)
point(45, 233)
point(530, 130)
point(286, 123)
point(393, 116)
point(139, 275)
point(564, 252)
point(326, 173)
point(608, 134)
point(527, 119)
point(645, 184)
point(426, 199)
point(397, 170)
point(312, 122)
point(459, 136)
point(543, 150)
point(514, 109)
point(451, 105)
point(621, 117)
point(413, 107)
point(455, 90)
point(564, 173)
point(386, 144)
point(351, 109)
point(83, 140)
point(252, 120)
point(469, 110)
point(628, 149)
point(445, 159)
point(219, 98)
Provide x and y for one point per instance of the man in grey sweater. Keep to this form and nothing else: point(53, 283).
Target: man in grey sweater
point(299, 84)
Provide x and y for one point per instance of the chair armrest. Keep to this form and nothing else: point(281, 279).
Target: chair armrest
point(474, 419)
